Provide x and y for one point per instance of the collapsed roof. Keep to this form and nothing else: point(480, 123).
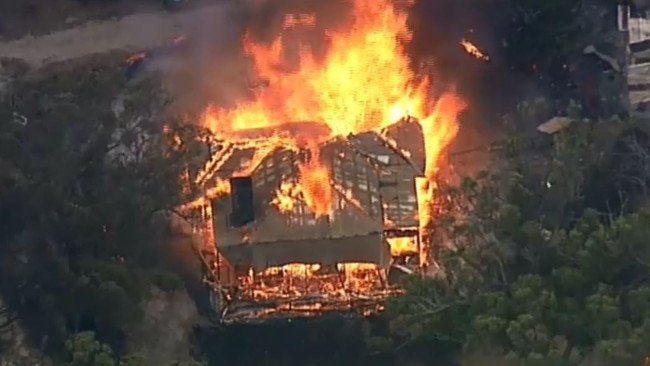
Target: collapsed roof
point(374, 190)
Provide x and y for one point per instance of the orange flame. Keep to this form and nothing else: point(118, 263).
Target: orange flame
point(439, 130)
point(316, 186)
point(135, 58)
point(401, 246)
point(363, 83)
point(293, 20)
point(471, 49)
point(220, 188)
point(286, 196)
point(315, 189)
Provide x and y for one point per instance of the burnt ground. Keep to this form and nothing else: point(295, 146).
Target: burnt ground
point(37, 17)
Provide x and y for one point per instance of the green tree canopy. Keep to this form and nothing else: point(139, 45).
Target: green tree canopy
point(84, 350)
point(86, 172)
point(531, 266)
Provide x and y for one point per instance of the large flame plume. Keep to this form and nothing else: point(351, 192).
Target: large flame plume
point(363, 83)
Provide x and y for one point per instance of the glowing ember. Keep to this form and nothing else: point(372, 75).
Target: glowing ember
point(402, 246)
point(473, 50)
point(298, 279)
point(136, 58)
point(286, 196)
point(293, 269)
point(220, 188)
point(293, 20)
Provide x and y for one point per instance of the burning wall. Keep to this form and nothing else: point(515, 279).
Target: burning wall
point(368, 187)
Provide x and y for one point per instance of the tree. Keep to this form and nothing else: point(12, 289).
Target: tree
point(573, 50)
point(84, 350)
point(542, 35)
point(82, 186)
point(532, 267)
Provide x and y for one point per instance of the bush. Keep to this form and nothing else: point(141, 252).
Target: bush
point(531, 268)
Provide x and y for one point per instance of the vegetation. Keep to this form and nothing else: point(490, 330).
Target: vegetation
point(542, 35)
point(83, 185)
point(84, 350)
point(545, 259)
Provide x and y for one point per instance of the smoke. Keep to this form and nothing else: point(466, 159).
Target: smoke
point(178, 254)
point(491, 89)
point(216, 71)
point(208, 66)
point(214, 68)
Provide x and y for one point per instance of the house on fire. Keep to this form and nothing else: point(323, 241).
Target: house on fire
point(374, 199)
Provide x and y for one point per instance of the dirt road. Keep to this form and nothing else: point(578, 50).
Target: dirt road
point(132, 33)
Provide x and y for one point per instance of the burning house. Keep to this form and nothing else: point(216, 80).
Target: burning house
point(282, 248)
point(305, 218)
